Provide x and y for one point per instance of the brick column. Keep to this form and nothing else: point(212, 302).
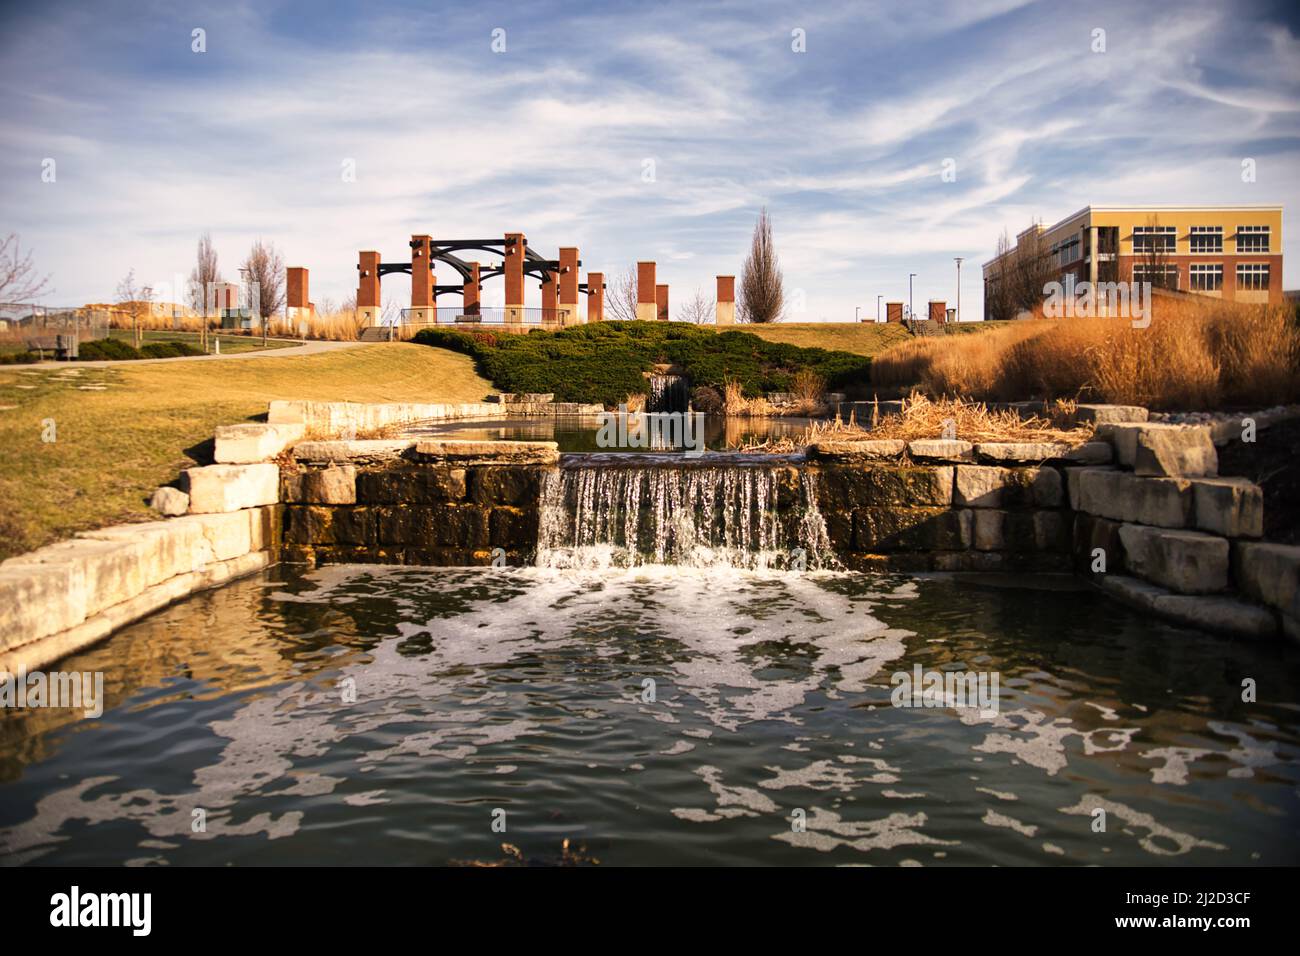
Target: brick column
point(514, 277)
point(569, 286)
point(296, 290)
point(726, 300)
point(893, 312)
point(645, 291)
point(595, 296)
point(661, 303)
point(422, 282)
point(368, 288)
point(472, 287)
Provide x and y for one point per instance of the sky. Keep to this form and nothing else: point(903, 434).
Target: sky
point(883, 138)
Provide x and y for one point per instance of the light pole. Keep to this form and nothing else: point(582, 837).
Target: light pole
point(911, 312)
point(878, 298)
point(958, 258)
point(856, 310)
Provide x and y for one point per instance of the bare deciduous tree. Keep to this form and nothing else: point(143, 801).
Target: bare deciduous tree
point(1018, 275)
point(136, 299)
point(620, 304)
point(762, 289)
point(264, 270)
point(698, 310)
point(19, 281)
point(204, 273)
point(1154, 258)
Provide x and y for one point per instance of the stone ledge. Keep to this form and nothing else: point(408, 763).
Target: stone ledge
point(374, 450)
point(874, 449)
point(54, 646)
point(1223, 615)
point(1232, 507)
point(1021, 452)
point(989, 486)
point(1269, 573)
point(941, 449)
point(489, 452)
point(1123, 496)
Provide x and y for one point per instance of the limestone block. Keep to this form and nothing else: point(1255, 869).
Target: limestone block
point(941, 449)
point(990, 486)
point(1189, 562)
point(866, 450)
point(169, 501)
point(1090, 453)
point(1175, 452)
point(218, 488)
point(1269, 573)
point(250, 442)
point(1022, 451)
point(1232, 507)
point(1163, 502)
point(38, 599)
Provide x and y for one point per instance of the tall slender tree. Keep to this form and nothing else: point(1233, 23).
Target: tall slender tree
point(620, 304)
point(264, 270)
point(762, 288)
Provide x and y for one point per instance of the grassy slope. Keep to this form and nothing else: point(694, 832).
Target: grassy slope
point(115, 446)
point(862, 338)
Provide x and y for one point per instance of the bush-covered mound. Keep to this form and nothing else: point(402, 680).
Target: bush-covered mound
point(603, 362)
point(117, 350)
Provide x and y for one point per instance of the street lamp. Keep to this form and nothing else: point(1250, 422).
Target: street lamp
point(878, 298)
point(856, 310)
point(911, 312)
point(958, 258)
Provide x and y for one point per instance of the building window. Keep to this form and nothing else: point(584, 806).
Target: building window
point(1252, 239)
point(1154, 239)
point(1066, 251)
point(1207, 239)
point(1207, 277)
point(1162, 277)
point(1252, 275)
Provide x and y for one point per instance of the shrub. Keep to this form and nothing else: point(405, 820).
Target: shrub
point(100, 350)
point(19, 358)
point(605, 361)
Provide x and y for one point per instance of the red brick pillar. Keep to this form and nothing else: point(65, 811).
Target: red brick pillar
point(595, 297)
point(368, 288)
point(514, 277)
point(938, 311)
point(472, 287)
point(645, 291)
point(893, 312)
point(296, 291)
point(569, 286)
point(422, 280)
point(661, 303)
point(726, 300)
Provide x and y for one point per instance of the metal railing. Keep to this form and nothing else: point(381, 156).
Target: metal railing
point(479, 316)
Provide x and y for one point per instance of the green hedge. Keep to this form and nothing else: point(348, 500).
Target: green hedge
point(603, 362)
point(117, 350)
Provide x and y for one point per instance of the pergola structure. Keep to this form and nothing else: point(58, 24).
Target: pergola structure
point(559, 280)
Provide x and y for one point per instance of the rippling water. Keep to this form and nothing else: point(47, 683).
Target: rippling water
point(526, 691)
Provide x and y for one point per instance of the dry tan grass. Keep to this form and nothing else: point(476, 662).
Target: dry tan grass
point(736, 404)
point(635, 402)
point(808, 389)
point(333, 327)
point(1193, 355)
point(922, 417)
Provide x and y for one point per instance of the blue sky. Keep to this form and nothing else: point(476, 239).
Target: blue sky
point(844, 143)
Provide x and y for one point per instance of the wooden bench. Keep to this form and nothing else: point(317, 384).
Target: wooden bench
point(64, 347)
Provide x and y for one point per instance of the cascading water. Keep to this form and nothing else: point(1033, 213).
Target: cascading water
point(668, 393)
point(715, 515)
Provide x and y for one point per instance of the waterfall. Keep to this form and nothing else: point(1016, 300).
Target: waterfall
point(729, 515)
point(668, 393)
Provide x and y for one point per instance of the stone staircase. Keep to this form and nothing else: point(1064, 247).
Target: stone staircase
point(377, 333)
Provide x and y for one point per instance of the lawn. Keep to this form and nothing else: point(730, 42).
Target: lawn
point(860, 338)
point(122, 430)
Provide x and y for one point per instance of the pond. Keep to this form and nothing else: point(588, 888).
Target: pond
point(655, 715)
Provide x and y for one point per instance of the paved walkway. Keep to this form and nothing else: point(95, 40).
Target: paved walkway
point(290, 351)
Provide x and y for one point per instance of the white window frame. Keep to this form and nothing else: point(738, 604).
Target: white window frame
point(1143, 268)
point(1205, 232)
point(1254, 232)
point(1207, 269)
point(1169, 233)
point(1259, 270)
